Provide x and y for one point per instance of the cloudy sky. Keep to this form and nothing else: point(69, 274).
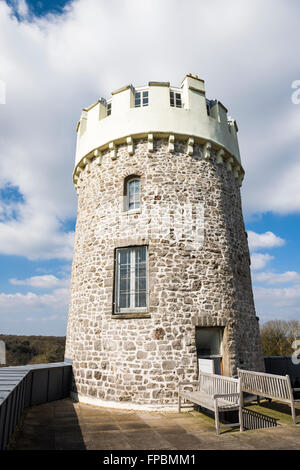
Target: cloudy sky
point(57, 57)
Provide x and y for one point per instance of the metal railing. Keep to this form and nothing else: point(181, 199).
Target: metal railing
point(25, 386)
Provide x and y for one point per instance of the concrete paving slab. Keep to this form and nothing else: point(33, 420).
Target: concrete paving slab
point(97, 427)
point(147, 440)
point(107, 440)
point(68, 425)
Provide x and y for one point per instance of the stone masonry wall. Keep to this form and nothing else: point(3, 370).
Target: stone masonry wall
point(142, 359)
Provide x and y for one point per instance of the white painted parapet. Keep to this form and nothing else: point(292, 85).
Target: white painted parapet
point(106, 124)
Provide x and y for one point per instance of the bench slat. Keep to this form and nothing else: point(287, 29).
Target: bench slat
point(276, 387)
point(208, 402)
point(210, 392)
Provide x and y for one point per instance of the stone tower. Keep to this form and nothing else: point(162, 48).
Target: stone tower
point(160, 276)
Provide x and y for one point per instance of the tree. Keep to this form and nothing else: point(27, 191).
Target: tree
point(278, 335)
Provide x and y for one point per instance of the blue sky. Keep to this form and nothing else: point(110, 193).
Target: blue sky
point(57, 57)
point(39, 8)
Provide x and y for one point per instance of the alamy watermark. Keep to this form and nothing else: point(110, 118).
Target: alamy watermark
point(2, 92)
point(296, 94)
point(178, 223)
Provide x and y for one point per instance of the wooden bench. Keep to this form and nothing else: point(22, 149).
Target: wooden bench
point(275, 387)
point(214, 392)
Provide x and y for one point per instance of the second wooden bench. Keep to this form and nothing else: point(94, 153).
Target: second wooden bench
point(216, 393)
point(275, 387)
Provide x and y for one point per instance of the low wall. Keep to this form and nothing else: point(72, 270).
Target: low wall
point(283, 365)
point(25, 386)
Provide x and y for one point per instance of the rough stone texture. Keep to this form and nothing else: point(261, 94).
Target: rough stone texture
point(140, 359)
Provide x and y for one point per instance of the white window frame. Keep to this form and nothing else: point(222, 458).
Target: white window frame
point(173, 94)
point(128, 181)
point(132, 308)
point(108, 108)
point(143, 94)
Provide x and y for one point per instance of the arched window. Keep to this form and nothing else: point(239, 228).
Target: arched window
point(132, 192)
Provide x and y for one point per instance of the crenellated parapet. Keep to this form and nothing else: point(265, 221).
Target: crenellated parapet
point(155, 111)
point(221, 156)
point(160, 275)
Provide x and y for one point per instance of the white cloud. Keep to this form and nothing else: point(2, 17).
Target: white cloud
point(35, 239)
point(259, 260)
point(273, 175)
point(44, 313)
point(271, 278)
point(21, 8)
point(8, 210)
point(47, 281)
point(31, 313)
point(278, 302)
point(54, 66)
point(43, 319)
point(56, 301)
point(264, 240)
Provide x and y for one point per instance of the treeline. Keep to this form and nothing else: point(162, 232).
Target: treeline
point(22, 350)
point(279, 337)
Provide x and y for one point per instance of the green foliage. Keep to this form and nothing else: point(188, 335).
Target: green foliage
point(21, 350)
point(277, 337)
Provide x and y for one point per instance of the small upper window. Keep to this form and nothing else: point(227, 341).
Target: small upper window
point(141, 98)
point(209, 105)
point(132, 193)
point(108, 109)
point(175, 99)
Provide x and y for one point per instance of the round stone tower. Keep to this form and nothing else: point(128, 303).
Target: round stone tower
point(161, 282)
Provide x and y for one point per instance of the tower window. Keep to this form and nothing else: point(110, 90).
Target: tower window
point(132, 193)
point(141, 98)
point(175, 99)
point(108, 109)
point(131, 274)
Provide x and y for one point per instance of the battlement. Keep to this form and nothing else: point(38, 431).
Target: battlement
point(157, 110)
point(160, 275)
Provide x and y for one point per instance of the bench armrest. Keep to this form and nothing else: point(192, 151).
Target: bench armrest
point(226, 395)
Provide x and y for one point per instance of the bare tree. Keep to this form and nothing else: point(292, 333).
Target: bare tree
point(278, 335)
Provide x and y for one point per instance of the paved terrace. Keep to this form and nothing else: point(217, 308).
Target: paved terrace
point(67, 425)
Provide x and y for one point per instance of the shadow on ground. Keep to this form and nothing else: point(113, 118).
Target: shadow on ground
point(50, 426)
point(66, 425)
